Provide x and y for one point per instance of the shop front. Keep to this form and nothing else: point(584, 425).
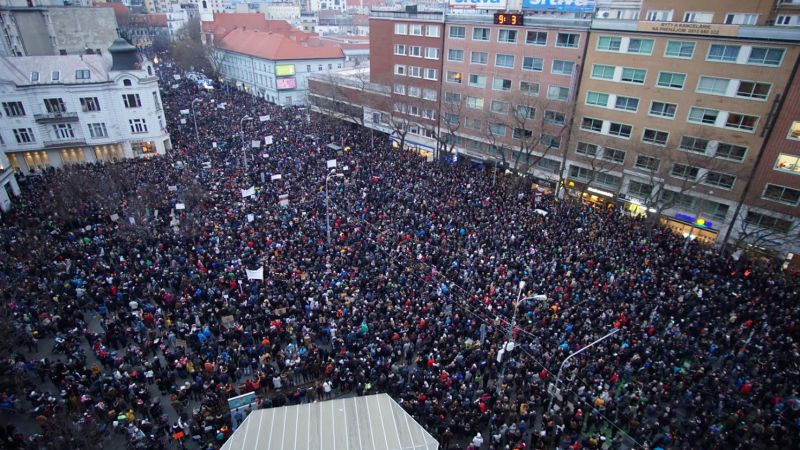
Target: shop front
point(690, 227)
point(111, 152)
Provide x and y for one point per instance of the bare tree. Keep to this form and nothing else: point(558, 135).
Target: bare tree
point(449, 124)
point(538, 125)
point(762, 232)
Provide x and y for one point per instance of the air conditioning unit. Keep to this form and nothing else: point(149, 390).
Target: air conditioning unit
point(604, 14)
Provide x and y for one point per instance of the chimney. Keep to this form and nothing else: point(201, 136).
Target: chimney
point(123, 55)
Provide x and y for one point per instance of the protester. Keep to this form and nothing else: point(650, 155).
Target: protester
point(158, 324)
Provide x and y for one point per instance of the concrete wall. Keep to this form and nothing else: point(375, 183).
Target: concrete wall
point(33, 33)
point(76, 29)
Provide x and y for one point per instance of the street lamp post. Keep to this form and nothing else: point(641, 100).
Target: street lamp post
point(328, 177)
point(241, 129)
point(509, 346)
point(558, 377)
point(194, 119)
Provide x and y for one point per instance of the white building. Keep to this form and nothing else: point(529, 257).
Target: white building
point(275, 66)
point(59, 110)
point(280, 11)
point(177, 18)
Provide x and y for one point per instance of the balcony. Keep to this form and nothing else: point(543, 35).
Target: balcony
point(56, 117)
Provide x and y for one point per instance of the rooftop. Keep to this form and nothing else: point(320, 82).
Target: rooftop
point(279, 46)
point(18, 70)
point(225, 23)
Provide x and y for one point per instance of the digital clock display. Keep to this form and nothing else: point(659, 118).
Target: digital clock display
point(508, 19)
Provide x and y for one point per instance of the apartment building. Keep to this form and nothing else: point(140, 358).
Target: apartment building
point(71, 109)
point(508, 91)
point(406, 55)
point(673, 111)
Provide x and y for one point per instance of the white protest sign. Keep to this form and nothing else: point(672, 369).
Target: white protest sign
point(257, 274)
point(268, 140)
point(172, 188)
point(251, 217)
point(248, 192)
point(276, 177)
point(263, 118)
point(331, 163)
point(185, 112)
point(180, 206)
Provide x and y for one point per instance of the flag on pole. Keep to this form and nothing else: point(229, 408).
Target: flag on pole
point(257, 274)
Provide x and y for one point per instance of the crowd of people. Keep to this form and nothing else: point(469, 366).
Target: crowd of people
point(142, 293)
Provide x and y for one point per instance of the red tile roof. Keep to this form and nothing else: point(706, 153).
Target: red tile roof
point(156, 20)
point(278, 46)
point(224, 23)
point(365, 3)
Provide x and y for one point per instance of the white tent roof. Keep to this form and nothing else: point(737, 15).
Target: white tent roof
point(374, 422)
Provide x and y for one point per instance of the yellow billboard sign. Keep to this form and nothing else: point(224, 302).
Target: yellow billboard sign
point(284, 70)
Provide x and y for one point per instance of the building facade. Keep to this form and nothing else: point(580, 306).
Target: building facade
point(39, 31)
point(60, 110)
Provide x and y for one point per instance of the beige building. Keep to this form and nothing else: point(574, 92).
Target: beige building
point(673, 108)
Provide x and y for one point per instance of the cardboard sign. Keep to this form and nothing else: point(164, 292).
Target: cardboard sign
point(227, 321)
point(180, 206)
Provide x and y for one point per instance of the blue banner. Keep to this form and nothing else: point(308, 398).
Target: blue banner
point(559, 5)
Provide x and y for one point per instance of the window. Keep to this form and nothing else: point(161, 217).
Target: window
point(400, 89)
point(156, 102)
point(98, 130)
point(479, 58)
point(501, 84)
point(659, 15)
point(794, 131)
point(551, 141)
point(532, 89)
point(633, 75)
point(400, 49)
point(614, 155)
point(90, 104)
point(603, 72)
point(730, 151)
point(455, 55)
point(400, 28)
point(415, 30)
point(521, 133)
point(591, 124)
point(567, 40)
point(525, 112)
point(34, 76)
point(131, 100)
point(698, 17)
point(138, 125)
point(554, 117)
point(457, 32)
point(507, 36)
point(532, 63)
point(655, 137)
point(429, 114)
point(766, 56)
point(497, 129)
point(640, 46)
point(679, 49)
point(414, 91)
point(432, 30)
point(55, 105)
point(501, 60)
point(720, 180)
point(713, 85)
point(741, 121)
point(55, 75)
point(663, 109)
point(415, 71)
point(561, 67)
point(684, 171)
point(14, 109)
point(23, 135)
point(586, 149)
point(676, 199)
point(451, 119)
point(741, 19)
point(453, 76)
point(671, 80)
point(452, 98)
point(431, 74)
point(781, 194)
point(536, 38)
point(627, 103)
point(399, 69)
point(559, 93)
point(63, 131)
point(427, 94)
point(783, 20)
point(474, 102)
point(480, 34)
point(723, 53)
point(620, 129)
point(608, 180)
point(82, 74)
point(472, 123)
point(712, 208)
point(753, 89)
point(647, 163)
point(477, 80)
point(580, 173)
point(499, 107)
point(768, 222)
point(609, 44)
point(703, 115)
point(415, 51)
point(694, 144)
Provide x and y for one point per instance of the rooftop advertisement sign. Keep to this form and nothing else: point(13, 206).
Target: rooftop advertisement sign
point(477, 4)
point(579, 6)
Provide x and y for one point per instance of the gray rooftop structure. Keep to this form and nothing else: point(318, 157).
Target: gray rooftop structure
point(374, 422)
